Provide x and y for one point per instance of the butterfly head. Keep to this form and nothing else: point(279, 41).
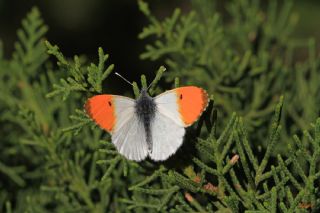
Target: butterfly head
point(144, 93)
point(144, 98)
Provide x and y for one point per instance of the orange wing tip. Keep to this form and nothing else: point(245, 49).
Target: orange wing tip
point(205, 99)
point(101, 110)
point(192, 103)
point(88, 110)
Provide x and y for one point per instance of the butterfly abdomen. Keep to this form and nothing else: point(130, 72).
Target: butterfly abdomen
point(145, 110)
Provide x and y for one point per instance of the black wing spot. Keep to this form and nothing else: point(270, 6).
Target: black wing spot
point(180, 96)
point(109, 102)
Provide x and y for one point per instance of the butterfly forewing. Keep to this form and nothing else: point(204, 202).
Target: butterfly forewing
point(100, 108)
point(116, 114)
point(183, 105)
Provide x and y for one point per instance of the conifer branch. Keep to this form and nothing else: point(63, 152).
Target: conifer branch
point(144, 83)
point(155, 81)
point(184, 182)
point(79, 79)
point(13, 173)
point(234, 164)
point(244, 161)
point(81, 120)
point(136, 89)
point(97, 73)
point(29, 51)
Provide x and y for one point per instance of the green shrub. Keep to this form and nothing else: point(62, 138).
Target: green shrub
point(254, 149)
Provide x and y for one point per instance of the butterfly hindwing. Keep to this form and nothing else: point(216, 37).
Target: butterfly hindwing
point(167, 137)
point(130, 139)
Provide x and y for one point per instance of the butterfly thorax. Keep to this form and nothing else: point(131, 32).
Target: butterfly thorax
point(145, 110)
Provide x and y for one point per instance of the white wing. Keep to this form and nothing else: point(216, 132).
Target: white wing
point(167, 137)
point(129, 135)
point(123, 109)
point(130, 140)
point(183, 105)
point(167, 127)
point(168, 106)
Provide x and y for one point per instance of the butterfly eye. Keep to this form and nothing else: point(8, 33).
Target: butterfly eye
point(109, 103)
point(180, 96)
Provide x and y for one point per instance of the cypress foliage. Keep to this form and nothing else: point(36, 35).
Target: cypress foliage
point(255, 149)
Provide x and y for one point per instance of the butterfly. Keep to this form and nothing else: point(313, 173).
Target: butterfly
point(148, 126)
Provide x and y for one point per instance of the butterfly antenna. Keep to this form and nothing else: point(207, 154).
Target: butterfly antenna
point(123, 78)
point(149, 86)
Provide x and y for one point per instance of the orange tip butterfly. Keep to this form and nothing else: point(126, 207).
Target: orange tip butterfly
point(148, 126)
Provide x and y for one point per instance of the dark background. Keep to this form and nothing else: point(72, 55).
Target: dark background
point(81, 26)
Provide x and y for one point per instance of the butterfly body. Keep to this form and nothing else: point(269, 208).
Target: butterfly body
point(145, 108)
point(148, 126)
